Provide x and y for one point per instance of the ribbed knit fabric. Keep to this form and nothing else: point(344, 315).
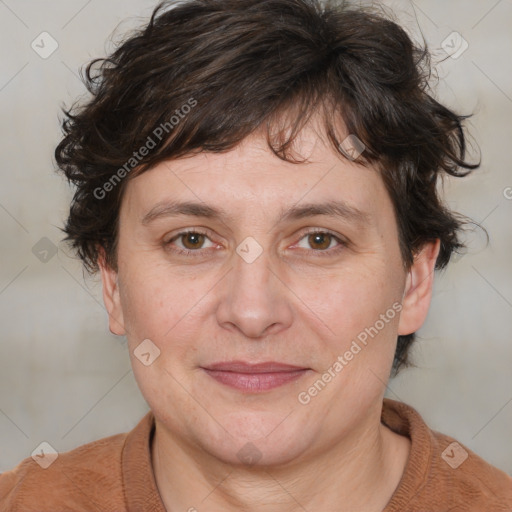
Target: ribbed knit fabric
point(438, 476)
point(114, 474)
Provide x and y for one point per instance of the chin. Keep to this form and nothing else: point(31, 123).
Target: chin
point(255, 439)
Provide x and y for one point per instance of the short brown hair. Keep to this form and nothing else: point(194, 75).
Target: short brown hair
point(238, 66)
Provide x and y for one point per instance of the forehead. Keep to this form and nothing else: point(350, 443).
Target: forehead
point(250, 180)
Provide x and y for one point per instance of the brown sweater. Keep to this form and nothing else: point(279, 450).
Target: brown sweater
point(115, 474)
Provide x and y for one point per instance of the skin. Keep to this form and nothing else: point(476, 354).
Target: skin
point(299, 302)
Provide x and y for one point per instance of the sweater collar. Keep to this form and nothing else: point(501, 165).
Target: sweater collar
point(139, 485)
point(406, 421)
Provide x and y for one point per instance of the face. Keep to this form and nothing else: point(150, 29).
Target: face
point(262, 271)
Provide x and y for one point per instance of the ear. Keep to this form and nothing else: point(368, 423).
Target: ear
point(111, 299)
point(418, 289)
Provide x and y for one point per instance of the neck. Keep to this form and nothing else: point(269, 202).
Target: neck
point(358, 472)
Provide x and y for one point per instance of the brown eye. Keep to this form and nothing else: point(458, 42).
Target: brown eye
point(192, 240)
point(189, 243)
point(320, 241)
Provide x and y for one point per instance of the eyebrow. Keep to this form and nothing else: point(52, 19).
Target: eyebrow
point(335, 209)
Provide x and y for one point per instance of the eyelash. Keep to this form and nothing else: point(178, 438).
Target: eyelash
point(198, 252)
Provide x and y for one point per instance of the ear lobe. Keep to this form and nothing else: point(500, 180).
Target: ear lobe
point(109, 279)
point(418, 289)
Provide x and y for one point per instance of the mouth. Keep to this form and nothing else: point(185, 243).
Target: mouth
point(254, 378)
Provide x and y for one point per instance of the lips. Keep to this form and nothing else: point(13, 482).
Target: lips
point(243, 367)
point(254, 377)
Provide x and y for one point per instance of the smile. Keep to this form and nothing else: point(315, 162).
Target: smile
point(254, 377)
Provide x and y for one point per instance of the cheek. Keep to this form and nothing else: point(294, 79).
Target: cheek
point(348, 300)
point(148, 302)
point(361, 310)
point(163, 306)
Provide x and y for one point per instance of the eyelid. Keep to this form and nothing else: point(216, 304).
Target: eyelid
point(342, 242)
point(199, 231)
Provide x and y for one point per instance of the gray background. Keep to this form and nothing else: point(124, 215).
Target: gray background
point(66, 380)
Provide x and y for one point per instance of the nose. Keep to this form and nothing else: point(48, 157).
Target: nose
point(254, 297)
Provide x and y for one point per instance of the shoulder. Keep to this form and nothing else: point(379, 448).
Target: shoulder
point(468, 478)
point(442, 473)
point(88, 477)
